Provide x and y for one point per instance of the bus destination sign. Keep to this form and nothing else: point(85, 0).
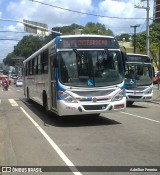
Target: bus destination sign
point(88, 43)
point(137, 58)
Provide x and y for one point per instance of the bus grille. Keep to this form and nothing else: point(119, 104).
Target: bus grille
point(135, 97)
point(94, 107)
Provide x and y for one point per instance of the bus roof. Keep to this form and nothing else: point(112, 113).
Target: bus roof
point(40, 50)
point(85, 36)
point(132, 57)
point(137, 54)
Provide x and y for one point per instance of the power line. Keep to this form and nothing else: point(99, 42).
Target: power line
point(29, 24)
point(11, 31)
point(13, 39)
point(91, 14)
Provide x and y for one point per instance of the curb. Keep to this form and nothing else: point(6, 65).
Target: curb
point(155, 102)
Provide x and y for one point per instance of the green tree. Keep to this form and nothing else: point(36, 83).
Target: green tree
point(28, 45)
point(68, 30)
point(154, 42)
point(96, 28)
point(1, 66)
point(140, 42)
point(123, 36)
point(10, 59)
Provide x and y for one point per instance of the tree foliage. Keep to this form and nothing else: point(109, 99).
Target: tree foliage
point(28, 45)
point(68, 30)
point(96, 28)
point(10, 59)
point(123, 36)
point(154, 42)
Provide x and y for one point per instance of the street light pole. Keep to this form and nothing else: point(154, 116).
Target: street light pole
point(135, 26)
point(147, 25)
point(147, 29)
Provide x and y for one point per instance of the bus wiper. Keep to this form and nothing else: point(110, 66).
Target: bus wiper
point(77, 52)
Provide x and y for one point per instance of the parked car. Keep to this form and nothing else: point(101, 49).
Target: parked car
point(157, 73)
point(14, 76)
point(19, 83)
point(19, 78)
point(14, 81)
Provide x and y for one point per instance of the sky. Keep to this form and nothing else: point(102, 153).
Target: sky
point(116, 15)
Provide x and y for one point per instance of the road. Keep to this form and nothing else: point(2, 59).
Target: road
point(31, 137)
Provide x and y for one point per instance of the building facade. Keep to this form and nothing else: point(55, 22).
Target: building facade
point(156, 12)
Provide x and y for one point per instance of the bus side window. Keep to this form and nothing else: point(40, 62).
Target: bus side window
point(35, 66)
point(53, 58)
point(26, 69)
point(44, 61)
point(30, 67)
point(39, 64)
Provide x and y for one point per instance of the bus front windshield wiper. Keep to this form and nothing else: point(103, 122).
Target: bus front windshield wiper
point(77, 52)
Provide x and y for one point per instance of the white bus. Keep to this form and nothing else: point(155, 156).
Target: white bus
point(77, 74)
point(138, 78)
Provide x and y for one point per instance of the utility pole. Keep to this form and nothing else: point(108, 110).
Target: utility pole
point(135, 41)
point(147, 29)
point(147, 25)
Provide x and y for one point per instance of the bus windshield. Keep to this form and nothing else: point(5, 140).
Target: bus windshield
point(90, 68)
point(140, 73)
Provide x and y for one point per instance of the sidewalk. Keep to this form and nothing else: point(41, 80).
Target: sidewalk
point(156, 94)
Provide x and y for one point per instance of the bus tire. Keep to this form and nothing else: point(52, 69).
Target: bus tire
point(45, 103)
point(130, 103)
point(28, 97)
point(96, 115)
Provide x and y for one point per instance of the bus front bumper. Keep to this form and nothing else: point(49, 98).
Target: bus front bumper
point(65, 109)
point(139, 97)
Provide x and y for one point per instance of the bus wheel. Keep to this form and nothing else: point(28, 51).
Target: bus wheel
point(28, 97)
point(130, 103)
point(96, 115)
point(45, 104)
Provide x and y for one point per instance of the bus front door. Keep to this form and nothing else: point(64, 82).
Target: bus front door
point(53, 86)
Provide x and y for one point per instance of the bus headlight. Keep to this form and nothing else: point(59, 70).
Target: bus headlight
point(148, 91)
point(119, 96)
point(66, 97)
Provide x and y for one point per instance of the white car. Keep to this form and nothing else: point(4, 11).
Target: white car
point(157, 73)
point(19, 83)
point(14, 76)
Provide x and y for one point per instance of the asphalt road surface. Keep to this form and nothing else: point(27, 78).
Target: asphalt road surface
point(123, 141)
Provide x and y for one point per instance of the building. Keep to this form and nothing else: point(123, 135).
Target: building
point(156, 11)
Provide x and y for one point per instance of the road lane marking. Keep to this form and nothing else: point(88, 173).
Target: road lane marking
point(0, 101)
point(141, 117)
point(54, 145)
point(13, 102)
point(149, 103)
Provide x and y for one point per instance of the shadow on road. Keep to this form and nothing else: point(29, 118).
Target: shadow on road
point(67, 121)
point(137, 106)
